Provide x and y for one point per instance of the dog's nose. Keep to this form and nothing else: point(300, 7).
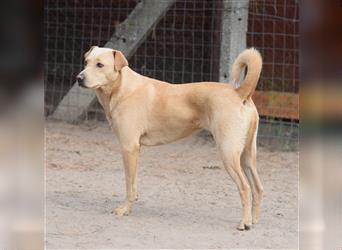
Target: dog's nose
point(80, 79)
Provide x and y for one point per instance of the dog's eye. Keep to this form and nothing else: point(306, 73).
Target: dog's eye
point(99, 65)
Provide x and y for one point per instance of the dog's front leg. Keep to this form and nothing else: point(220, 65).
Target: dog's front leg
point(130, 157)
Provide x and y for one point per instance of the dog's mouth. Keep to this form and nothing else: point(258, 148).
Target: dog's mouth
point(89, 87)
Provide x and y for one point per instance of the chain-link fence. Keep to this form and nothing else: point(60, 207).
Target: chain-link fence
point(184, 46)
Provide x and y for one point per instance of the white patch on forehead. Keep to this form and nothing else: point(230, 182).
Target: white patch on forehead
point(97, 51)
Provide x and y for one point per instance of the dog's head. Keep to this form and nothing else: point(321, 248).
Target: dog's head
point(102, 67)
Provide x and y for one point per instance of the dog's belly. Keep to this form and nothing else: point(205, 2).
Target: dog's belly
point(171, 123)
point(164, 136)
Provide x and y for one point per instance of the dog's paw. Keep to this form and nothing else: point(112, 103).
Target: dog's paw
point(122, 211)
point(255, 216)
point(255, 220)
point(243, 227)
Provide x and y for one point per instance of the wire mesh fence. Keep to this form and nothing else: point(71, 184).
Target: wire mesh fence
point(184, 46)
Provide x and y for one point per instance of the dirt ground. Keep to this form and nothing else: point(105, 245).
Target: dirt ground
point(186, 199)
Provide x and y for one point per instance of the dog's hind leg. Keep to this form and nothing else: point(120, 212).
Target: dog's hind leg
point(130, 158)
point(248, 162)
point(231, 161)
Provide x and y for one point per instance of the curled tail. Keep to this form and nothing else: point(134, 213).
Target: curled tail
point(251, 59)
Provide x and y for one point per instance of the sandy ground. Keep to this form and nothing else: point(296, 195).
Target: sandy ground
point(186, 199)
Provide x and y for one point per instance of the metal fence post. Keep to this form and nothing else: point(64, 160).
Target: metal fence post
point(233, 34)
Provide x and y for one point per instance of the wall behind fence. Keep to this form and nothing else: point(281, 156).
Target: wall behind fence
point(183, 47)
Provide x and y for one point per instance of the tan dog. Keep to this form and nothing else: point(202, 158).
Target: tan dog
point(145, 111)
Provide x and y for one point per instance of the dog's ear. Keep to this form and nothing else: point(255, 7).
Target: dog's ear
point(120, 60)
point(88, 52)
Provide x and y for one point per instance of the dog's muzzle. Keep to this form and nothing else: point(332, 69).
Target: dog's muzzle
point(80, 80)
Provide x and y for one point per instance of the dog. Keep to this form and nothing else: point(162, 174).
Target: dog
point(146, 111)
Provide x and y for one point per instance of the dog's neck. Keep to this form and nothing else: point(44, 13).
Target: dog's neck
point(110, 95)
point(106, 93)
